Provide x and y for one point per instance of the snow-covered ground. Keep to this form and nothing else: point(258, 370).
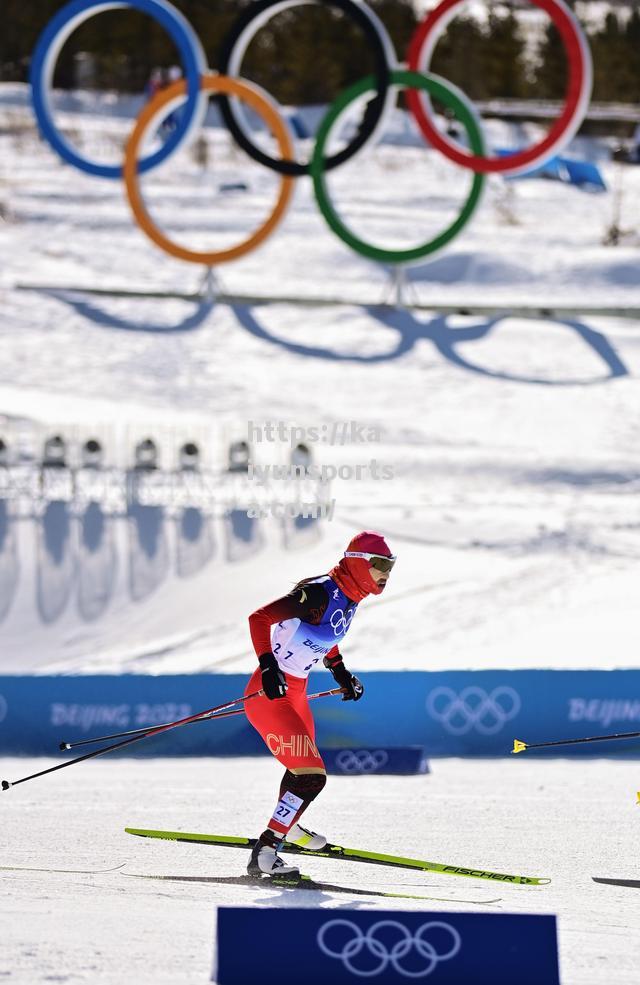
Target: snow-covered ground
point(513, 445)
point(565, 820)
point(512, 442)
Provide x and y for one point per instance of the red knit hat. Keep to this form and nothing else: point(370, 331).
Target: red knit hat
point(352, 574)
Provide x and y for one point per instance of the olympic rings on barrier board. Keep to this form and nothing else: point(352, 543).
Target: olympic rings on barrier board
point(377, 111)
point(452, 97)
point(48, 48)
point(384, 81)
point(473, 708)
point(361, 760)
point(387, 954)
point(577, 97)
point(258, 102)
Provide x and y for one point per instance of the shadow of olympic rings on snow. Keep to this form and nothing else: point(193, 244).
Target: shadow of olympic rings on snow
point(446, 339)
point(410, 330)
point(99, 316)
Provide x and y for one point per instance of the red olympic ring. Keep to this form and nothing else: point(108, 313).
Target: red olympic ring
point(577, 95)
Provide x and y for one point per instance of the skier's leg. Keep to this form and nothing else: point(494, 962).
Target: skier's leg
point(297, 791)
point(287, 727)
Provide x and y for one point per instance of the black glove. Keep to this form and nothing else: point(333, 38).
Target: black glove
point(274, 684)
point(353, 688)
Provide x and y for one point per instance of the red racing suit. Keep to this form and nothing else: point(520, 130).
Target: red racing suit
point(305, 622)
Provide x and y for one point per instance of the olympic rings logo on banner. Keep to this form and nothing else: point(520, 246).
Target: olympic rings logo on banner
point(473, 708)
point(388, 76)
point(361, 760)
point(359, 942)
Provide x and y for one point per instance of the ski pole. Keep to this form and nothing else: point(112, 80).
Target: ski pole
point(519, 746)
point(134, 738)
point(143, 731)
point(205, 718)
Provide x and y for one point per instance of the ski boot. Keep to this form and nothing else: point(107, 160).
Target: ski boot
point(265, 861)
point(303, 838)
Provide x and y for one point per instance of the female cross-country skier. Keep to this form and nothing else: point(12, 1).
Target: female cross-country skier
point(290, 636)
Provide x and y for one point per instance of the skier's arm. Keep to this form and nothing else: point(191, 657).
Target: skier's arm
point(307, 603)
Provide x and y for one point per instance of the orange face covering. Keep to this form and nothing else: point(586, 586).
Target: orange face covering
point(352, 574)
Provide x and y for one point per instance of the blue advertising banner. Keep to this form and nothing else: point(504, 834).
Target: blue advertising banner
point(389, 947)
point(390, 760)
point(456, 713)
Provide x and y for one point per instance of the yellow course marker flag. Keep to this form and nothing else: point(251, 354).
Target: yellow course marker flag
point(521, 746)
point(639, 796)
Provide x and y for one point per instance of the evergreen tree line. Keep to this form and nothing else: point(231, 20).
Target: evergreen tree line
point(305, 56)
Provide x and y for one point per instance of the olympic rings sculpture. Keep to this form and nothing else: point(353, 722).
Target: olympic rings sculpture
point(389, 75)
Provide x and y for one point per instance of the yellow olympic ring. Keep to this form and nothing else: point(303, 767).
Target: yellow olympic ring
point(231, 87)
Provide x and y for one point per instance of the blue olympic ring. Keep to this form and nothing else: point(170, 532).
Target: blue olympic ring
point(46, 54)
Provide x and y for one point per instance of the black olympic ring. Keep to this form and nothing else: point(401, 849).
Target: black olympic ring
point(374, 109)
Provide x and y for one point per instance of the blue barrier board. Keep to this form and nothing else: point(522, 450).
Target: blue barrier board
point(390, 760)
point(389, 947)
point(449, 713)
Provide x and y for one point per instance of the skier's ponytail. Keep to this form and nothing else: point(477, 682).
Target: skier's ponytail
point(305, 581)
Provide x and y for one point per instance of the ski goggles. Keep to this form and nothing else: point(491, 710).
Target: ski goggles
point(378, 561)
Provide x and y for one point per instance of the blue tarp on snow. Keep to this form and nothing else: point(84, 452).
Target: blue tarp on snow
point(583, 174)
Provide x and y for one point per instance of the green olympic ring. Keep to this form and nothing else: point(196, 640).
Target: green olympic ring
point(453, 99)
